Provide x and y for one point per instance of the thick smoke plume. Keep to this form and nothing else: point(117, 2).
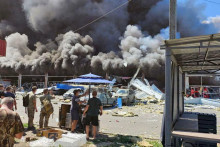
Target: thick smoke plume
point(42, 38)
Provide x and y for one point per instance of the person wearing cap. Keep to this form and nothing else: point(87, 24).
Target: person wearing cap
point(44, 114)
point(32, 107)
point(75, 108)
point(9, 93)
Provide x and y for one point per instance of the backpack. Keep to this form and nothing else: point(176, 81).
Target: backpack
point(26, 100)
point(48, 106)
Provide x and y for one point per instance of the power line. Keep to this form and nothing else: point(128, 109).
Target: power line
point(212, 2)
point(97, 19)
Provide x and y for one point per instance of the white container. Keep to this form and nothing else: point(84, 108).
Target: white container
point(71, 139)
point(68, 121)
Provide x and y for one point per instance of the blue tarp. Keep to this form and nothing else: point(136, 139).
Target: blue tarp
point(67, 87)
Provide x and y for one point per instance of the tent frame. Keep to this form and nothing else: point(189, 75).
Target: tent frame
point(191, 55)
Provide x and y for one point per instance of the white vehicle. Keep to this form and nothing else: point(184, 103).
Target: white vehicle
point(128, 96)
point(69, 94)
point(106, 99)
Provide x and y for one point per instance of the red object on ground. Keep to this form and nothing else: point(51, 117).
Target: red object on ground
point(2, 47)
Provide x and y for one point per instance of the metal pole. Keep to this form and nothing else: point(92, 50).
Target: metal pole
point(46, 80)
point(19, 80)
point(168, 103)
point(172, 19)
point(168, 85)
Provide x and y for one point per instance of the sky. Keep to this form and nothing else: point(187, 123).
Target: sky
point(212, 7)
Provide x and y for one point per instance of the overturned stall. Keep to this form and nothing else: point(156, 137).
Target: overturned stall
point(194, 55)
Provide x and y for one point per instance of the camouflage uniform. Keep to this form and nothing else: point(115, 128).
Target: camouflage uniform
point(31, 109)
point(10, 124)
point(43, 113)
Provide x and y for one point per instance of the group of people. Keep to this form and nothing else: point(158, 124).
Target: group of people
point(46, 108)
point(92, 110)
point(12, 127)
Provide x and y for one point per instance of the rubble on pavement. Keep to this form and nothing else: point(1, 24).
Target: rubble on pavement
point(124, 114)
point(144, 90)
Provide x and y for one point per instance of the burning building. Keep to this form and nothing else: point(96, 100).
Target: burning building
point(58, 38)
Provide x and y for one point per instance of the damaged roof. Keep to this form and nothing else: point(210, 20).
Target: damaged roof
point(199, 53)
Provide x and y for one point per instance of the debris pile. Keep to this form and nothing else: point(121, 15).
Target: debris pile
point(145, 93)
point(202, 101)
point(124, 114)
point(144, 144)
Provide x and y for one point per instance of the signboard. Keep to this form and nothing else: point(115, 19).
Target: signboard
point(2, 48)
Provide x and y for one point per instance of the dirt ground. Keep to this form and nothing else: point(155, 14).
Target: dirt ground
point(146, 122)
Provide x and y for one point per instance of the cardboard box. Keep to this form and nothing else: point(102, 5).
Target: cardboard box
point(52, 134)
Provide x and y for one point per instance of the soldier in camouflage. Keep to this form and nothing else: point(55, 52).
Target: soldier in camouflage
point(10, 123)
point(45, 115)
point(32, 107)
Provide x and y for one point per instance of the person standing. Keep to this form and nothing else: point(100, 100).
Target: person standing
point(46, 109)
point(10, 123)
point(2, 93)
point(75, 108)
point(92, 110)
point(9, 93)
point(32, 108)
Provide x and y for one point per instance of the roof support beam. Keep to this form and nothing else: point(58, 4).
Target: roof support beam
point(195, 47)
point(207, 50)
point(199, 60)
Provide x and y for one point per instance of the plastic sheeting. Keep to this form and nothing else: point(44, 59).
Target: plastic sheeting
point(202, 101)
point(67, 87)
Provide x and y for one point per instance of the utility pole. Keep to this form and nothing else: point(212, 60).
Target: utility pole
point(168, 81)
point(172, 19)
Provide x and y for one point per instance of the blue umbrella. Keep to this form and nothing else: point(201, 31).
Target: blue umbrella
point(89, 78)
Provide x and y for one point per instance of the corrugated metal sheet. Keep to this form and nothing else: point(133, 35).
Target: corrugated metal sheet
point(147, 89)
point(197, 53)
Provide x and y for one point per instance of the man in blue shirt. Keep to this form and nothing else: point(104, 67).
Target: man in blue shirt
point(9, 93)
point(75, 108)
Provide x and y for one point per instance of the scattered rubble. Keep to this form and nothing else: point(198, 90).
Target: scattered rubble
point(145, 90)
point(124, 114)
point(144, 143)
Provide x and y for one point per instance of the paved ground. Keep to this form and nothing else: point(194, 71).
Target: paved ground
point(146, 124)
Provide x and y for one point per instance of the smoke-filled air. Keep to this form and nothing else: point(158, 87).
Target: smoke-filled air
point(53, 36)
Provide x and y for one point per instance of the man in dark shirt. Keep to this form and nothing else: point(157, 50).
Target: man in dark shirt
point(93, 109)
point(2, 94)
point(9, 93)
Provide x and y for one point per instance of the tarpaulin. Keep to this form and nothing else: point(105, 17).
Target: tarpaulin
point(2, 47)
point(67, 87)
